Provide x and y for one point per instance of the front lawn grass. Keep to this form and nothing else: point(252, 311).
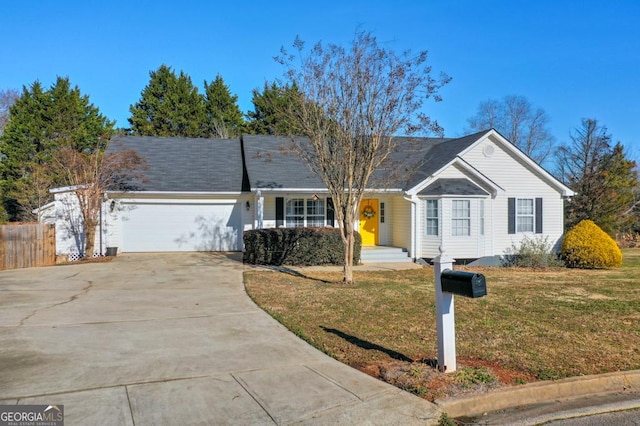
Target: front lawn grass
point(545, 324)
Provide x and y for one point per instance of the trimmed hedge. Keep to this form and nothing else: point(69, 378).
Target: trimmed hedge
point(589, 247)
point(297, 246)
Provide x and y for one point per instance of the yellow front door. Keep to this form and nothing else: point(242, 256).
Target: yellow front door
point(369, 221)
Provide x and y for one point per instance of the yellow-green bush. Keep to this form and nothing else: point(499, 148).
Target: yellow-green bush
point(589, 247)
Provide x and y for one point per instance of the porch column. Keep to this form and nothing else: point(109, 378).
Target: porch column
point(259, 210)
point(414, 240)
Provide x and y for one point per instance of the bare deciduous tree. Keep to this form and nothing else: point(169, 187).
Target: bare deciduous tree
point(219, 130)
point(91, 174)
point(7, 99)
point(34, 192)
point(350, 104)
point(521, 123)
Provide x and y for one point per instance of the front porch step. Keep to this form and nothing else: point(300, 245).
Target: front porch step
point(381, 254)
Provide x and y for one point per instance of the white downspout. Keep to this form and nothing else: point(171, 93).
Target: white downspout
point(493, 240)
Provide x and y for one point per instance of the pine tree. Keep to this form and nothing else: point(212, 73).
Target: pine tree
point(42, 121)
point(267, 117)
point(169, 106)
point(604, 179)
point(620, 176)
point(223, 116)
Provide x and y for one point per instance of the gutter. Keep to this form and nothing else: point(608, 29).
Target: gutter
point(184, 193)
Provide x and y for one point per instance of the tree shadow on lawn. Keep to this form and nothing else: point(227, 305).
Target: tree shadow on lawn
point(293, 272)
point(367, 345)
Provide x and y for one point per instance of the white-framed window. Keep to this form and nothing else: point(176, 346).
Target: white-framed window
point(525, 215)
point(294, 213)
point(301, 212)
point(433, 220)
point(315, 213)
point(460, 218)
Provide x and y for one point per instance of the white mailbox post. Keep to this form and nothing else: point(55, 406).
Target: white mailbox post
point(450, 282)
point(445, 316)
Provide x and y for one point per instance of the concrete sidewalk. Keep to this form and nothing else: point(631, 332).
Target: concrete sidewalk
point(173, 339)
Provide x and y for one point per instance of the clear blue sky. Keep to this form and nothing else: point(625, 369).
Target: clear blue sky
point(574, 59)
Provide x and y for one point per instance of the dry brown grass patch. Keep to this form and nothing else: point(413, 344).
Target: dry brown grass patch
point(533, 324)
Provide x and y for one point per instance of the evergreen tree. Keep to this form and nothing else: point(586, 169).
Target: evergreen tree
point(223, 116)
point(169, 106)
point(268, 118)
point(42, 121)
point(604, 179)
point(621, 180)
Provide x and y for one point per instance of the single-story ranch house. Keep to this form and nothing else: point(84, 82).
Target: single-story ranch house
point(476, 196)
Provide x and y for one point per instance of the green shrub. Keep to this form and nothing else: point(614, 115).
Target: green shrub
point(445, 420)
point(469, 376)
point(532, 253)
point(297, 246)
point(589, 247)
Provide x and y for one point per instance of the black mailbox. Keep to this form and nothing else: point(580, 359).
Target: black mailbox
point(466, 284)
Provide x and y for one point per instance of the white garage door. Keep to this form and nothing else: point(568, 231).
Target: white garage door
point(153, 227)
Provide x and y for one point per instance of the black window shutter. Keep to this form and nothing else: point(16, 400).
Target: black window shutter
point(331, 214)
point(511, 219)
point(538, 215)
point(279, 212)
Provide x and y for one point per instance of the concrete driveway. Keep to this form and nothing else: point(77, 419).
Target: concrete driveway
point(173, 339)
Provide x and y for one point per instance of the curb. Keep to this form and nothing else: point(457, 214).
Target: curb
point(540, 392)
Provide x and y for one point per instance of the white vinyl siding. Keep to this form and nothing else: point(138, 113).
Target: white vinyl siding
point(463, 247)
point(400, 223)
point(460, 218)
point(519, 181)
point(269, 213)
point(65, 214)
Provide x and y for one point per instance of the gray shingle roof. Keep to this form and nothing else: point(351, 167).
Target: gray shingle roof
point(187, 164)
point(453, 186)
point(402, 164)
point(217, 165)
point(439, 154)
point(272, 164)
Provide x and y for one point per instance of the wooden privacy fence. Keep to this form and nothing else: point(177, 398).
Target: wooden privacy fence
point(25, 246)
